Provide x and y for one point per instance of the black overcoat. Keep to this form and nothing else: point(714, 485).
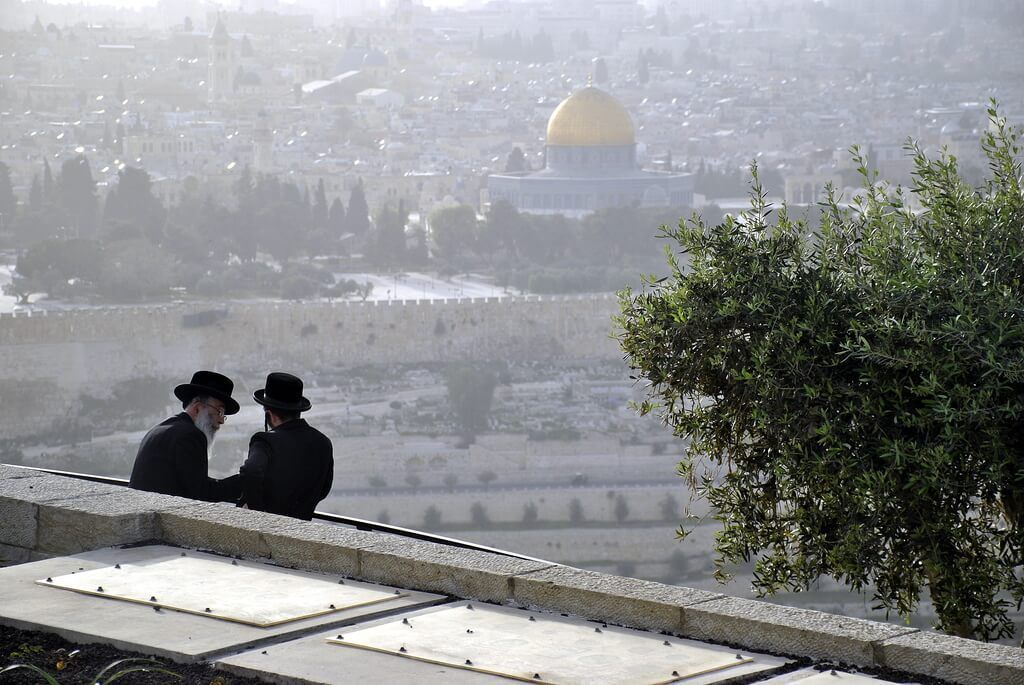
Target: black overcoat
point(172, 460)
point(289, 470)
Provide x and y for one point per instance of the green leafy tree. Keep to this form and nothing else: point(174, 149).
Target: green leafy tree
point(132, 202)
point(35, 195)
point(454, 231)
point(432, 518)
point(357, 217)
point(470, 393)
point(389, 236)
point(48, 182)
point(621, 509)
point(576, 514)
point(669, 508)
point(600, 70)
point(135, 269)
point(56, 267)
point(8, 202)
point(320, 208)
point(76, 190)
point(516, 161)
point(505, 226)
point(336, 218)
point(853, 396)
point(478, 514)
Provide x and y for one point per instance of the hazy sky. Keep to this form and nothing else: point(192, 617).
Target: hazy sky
point(137, 4)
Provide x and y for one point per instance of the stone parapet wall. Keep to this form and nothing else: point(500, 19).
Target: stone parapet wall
point(50, 358)
point(43, 516)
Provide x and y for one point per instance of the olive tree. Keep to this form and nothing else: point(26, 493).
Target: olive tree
point(852, 395)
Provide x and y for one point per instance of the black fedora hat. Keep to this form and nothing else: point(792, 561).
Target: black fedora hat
point(283, 391)
point(209, 383)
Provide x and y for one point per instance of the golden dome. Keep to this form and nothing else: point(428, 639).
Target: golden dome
point(590, 116)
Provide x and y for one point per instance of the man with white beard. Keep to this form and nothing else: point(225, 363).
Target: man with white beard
point(174, 455)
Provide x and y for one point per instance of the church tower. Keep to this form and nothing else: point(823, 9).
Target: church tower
point(262, 144)
point(222, 62)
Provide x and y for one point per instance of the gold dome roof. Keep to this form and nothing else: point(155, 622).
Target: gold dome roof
point(590, 116)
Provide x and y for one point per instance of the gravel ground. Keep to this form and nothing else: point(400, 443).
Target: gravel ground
point(73, 664)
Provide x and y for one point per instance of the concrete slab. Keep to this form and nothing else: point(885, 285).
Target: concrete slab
point(179, 636)
point(243, 592)
point(324, 659)
point(312, 660)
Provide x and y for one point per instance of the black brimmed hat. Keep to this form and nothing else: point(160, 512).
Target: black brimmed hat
point(211, 384)
point(283, 391)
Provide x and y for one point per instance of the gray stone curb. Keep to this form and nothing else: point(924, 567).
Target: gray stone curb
point(21, 495)
point(319, 547)
point(431, 567)
point(788, 630)
point(951, 658)
point(615, 599)
point(11, 555)
point(223, 528)
point(10, 471)
point(49, 488)
point(72, 526)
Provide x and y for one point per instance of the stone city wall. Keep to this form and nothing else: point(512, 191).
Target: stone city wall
point(50, 358)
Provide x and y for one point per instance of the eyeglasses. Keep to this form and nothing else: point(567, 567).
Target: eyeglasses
point(219, 409)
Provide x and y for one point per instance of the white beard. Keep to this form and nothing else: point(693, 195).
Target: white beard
point(206, 423)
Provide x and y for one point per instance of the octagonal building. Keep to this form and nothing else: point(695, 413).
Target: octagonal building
point(590, 164)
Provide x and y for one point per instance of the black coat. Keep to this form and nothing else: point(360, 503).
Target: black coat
point(289, 470)
point(172, 460)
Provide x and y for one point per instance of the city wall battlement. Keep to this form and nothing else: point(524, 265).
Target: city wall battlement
point(50, 359)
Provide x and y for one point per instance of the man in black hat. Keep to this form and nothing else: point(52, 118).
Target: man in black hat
point(290, 466)
point(173, 456)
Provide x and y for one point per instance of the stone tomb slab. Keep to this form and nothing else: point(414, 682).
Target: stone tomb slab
point(244, 592)
point(183, 636)
point(546, 648)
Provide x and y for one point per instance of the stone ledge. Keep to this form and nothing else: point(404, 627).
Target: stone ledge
point(79, 525)
point(615, 599)
point(21, 493)
point(788, 630)
point(319, 547)
point(11, 555)
point(951, 658)
point(223, 528)
point(18, 521)
point(49, 488)
point(12, 471)
point(433, 567)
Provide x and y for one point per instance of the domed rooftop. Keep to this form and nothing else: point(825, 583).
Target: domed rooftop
point(590, 116)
